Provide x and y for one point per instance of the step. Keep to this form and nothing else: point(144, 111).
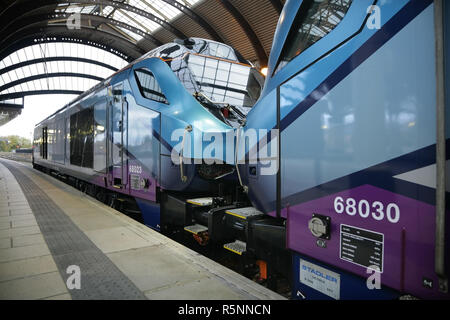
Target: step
point(238, 247)
point(196, 228)
point(244, 213)
point(201, 202)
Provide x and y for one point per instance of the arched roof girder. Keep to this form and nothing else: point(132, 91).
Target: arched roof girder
point(16, 9)
point(49, 75)
point(43, 39)
point(197, 18)
point(102, 39)
point(245, 25)
point(278, 6)
point(22, 94)
point(52, 59)
point(25, 21)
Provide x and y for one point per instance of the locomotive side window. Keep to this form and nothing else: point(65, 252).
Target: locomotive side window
point(314, 20)
point(149, 87)
point(82, 138)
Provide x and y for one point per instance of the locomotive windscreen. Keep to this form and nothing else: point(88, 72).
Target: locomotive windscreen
point(224, 81)
point(215, 70)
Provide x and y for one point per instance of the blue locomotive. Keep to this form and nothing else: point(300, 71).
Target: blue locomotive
point(333, 174)
point(145, 130)
point(358, 91)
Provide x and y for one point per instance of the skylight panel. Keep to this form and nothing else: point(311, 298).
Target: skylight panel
point(88, 9)
point(107, 10)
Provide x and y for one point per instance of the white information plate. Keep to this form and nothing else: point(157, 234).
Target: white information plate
point(320, 279)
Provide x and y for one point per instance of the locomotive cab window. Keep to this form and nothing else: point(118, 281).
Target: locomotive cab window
point(314, 20)
point(148, 86)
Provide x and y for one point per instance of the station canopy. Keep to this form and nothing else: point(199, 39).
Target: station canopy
point(66, 47)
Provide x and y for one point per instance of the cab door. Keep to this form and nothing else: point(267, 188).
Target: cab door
point(117, 152)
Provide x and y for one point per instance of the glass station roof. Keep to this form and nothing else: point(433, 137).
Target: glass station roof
point(43, 53)
point(66, 74)
point(159, 8)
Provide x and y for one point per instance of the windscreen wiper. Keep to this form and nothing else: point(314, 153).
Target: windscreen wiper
point(233, 109)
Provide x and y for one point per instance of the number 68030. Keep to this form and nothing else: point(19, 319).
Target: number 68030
point(364, 209)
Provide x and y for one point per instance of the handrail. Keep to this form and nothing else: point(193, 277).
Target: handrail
point(440, 148)
point(187, 129)
point(238, 133)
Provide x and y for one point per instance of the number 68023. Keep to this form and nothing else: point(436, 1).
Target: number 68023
point(364, 209)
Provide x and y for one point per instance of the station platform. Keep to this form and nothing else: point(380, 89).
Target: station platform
point(47, 226)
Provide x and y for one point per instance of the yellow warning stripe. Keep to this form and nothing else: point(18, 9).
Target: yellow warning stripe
point(193, 202)
point(236, 215)
point(190, 231)
point(193, 232)
point(197, 203)
point(234, 251)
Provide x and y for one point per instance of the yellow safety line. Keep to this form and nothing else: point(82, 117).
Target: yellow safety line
point(237, 252)
point(236, 215)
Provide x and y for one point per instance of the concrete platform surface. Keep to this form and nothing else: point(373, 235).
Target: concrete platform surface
point(48, 227)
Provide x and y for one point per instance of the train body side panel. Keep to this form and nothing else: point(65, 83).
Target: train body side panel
point(380, 111)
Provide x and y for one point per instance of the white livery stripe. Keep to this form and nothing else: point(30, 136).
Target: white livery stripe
point(425, 176)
